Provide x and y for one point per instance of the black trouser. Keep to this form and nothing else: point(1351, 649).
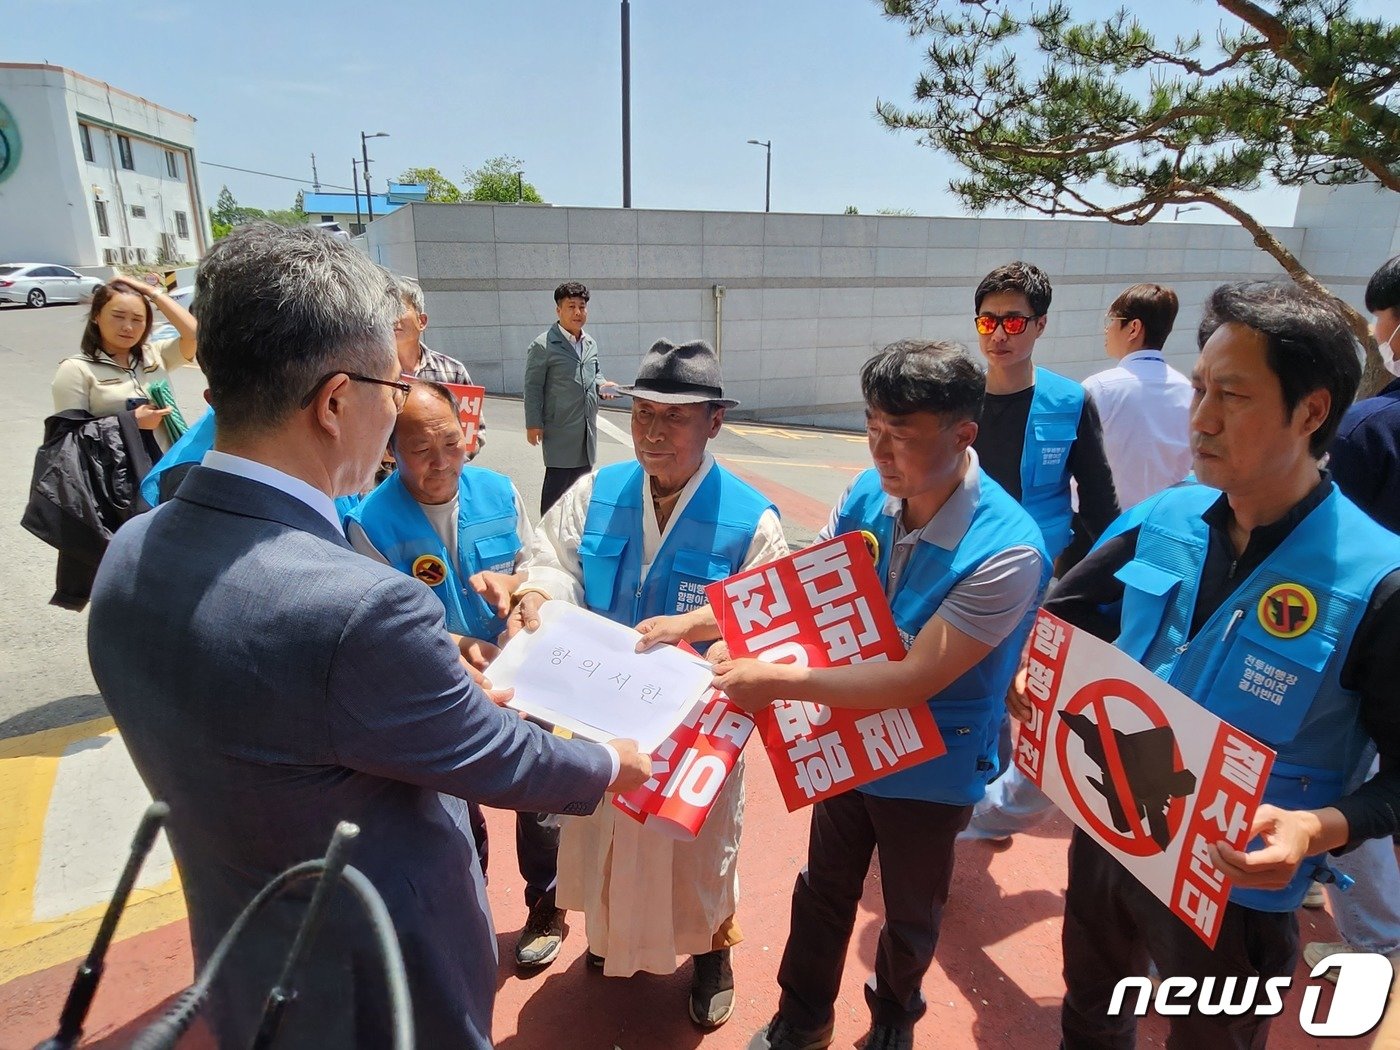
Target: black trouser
point(1114, 924)
point(556, 482)
point(536, 850)
point(915, 840)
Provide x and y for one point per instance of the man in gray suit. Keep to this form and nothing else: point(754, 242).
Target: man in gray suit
point(562, 386)
point(269, 681)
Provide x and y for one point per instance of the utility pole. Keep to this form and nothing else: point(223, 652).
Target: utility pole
point(315, 179)
point(355, 183)
point(364, 160)
point(626, 104)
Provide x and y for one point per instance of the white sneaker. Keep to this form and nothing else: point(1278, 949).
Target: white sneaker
point(1315, 897)
point(1315, 951)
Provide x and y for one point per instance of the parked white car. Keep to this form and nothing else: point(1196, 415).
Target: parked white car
point(38, 284)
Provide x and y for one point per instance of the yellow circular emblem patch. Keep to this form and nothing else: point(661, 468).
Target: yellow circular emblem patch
point(430, 569)
point(872, 544)
point(1287, 610)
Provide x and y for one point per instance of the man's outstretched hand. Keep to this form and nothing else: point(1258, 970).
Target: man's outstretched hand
point(634, 768)
point(526, 614)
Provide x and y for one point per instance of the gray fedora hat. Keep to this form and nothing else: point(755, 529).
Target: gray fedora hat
point(679, 375)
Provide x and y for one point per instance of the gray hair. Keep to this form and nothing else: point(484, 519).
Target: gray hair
point(411, 292)
point(278, 309)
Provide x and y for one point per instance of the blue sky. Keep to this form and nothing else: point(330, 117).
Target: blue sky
point(455, 83)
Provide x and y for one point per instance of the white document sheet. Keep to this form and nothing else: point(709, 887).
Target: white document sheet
point(581, 671)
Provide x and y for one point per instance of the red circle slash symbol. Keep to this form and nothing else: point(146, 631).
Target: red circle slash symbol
point(1140, 773)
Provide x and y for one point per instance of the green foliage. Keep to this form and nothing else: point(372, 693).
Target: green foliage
point(441, 190)
point(894, 211)
point(1101, 119)
point(500, 179)
point(228, 213)
point(851, 209)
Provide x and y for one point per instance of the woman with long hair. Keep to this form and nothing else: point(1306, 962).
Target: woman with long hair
point(118, 368)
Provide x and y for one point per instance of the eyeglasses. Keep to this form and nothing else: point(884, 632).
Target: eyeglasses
point(401, 390)
point(1108, 319)
point(1012, 324)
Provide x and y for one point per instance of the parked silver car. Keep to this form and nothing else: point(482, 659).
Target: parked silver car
point(39, 284)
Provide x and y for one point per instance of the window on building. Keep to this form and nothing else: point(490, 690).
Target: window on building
point(103, 230)
point(138, 211)
point(172, 164)
point(124, 148)
point(85, 134)
point(357, 228)
point(182, 225)
point(328, 218)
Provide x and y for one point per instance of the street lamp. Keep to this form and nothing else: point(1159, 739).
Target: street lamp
point(768, 172)
point(1182, 211)
point(364, 157)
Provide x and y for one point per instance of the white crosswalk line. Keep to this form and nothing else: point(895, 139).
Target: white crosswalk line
point(97, 801)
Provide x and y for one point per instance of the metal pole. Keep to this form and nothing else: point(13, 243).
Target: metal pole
point(355, 184)
point(315, 179)
point(768, 180)
point(626, 104)
point(519, 187)
point(364, 155)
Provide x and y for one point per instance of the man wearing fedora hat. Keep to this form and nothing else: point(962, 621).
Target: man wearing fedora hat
point(637, 542)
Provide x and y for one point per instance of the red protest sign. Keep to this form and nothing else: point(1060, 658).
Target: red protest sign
point(823, 607)
point(690, 768)
point(1147, 772)
point(469, 402)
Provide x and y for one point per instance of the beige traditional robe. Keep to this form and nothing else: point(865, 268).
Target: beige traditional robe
point(646, 898)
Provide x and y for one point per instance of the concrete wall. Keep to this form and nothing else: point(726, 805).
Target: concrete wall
point(47, 208)
point(809, 297)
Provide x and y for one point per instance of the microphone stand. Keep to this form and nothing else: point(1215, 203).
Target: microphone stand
point(283, 992)
point(84, 987)
point(166, 1031)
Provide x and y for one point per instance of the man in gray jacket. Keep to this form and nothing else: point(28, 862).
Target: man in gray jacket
point(269, 681)
point(563, 383)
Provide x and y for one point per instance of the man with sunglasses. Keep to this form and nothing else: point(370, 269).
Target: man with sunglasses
point(1038, 432)
point(298, 684)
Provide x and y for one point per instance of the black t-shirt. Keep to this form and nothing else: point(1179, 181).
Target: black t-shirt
point(1090, 597)
point(1001, 439)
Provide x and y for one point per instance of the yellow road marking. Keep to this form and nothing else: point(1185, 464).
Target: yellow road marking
point(28, 770)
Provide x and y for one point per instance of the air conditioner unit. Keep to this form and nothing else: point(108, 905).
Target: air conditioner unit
point(140, 254)
point(167, 246)
point(125, 254)
point(111, 255)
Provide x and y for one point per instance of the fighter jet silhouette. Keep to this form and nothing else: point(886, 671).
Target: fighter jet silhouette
point(1149, 760)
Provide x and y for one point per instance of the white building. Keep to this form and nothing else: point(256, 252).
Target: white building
point(93, 175)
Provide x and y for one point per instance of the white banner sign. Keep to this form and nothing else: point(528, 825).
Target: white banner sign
point(1149, 773)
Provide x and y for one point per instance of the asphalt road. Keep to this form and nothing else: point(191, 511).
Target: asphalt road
point(44, 676)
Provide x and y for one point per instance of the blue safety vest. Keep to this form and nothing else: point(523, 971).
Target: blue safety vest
point(707, 542)
point(190, 449)
point(487, 540)
point(1051, 427)
point(1325, 568)
point(968, 711)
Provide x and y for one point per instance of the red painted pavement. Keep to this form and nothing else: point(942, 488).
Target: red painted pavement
point(996, 981)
